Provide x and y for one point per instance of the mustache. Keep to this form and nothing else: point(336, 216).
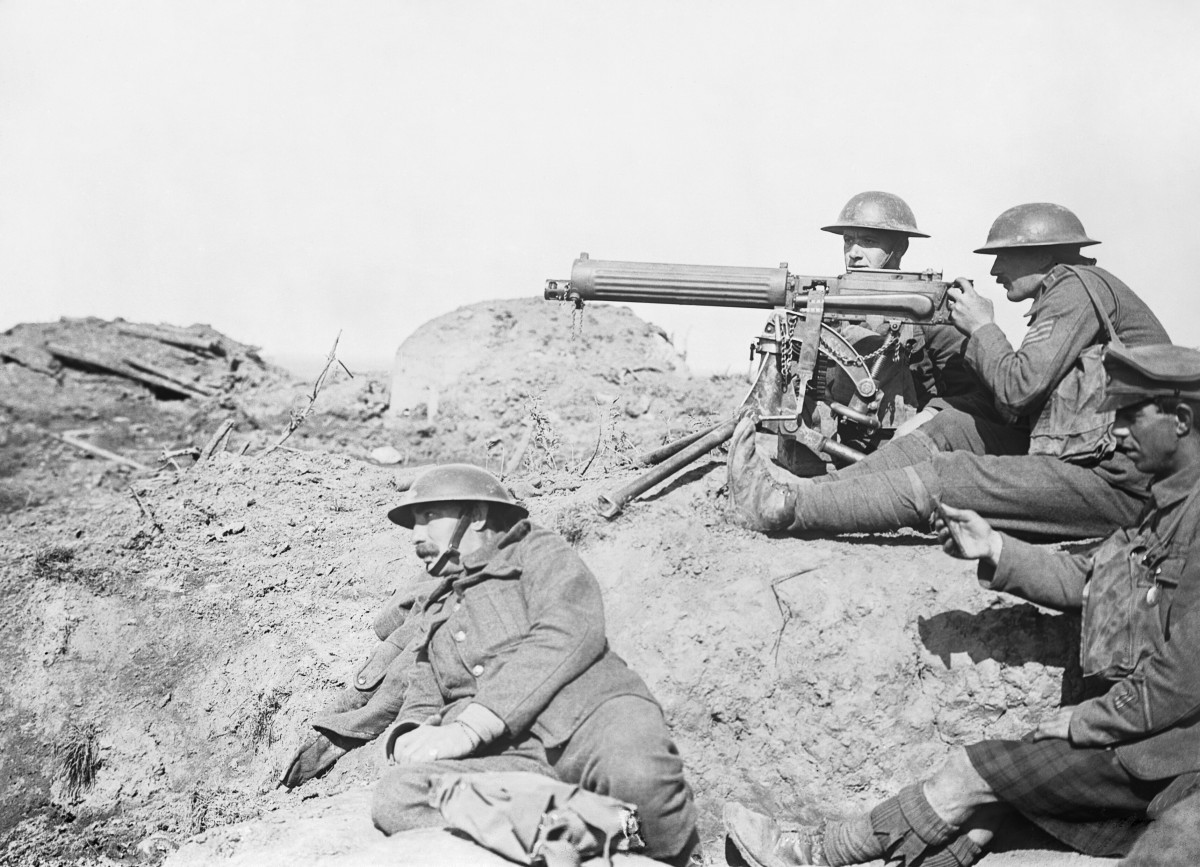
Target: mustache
point(427, 549)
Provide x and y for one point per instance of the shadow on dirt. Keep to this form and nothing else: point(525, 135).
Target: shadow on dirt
point(1002, 634)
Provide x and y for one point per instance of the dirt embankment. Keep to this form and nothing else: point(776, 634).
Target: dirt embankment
point(167, 648)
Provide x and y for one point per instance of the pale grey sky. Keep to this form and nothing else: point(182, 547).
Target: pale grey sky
point(285, 169)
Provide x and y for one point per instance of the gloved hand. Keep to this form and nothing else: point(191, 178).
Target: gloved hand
point(315, 756)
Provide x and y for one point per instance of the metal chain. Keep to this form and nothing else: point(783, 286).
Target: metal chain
point(834, 353)
point(852, 361)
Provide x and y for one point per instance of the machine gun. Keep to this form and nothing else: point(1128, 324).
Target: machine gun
point(804, 336)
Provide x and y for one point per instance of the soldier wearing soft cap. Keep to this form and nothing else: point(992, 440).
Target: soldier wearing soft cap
point(1094, 774)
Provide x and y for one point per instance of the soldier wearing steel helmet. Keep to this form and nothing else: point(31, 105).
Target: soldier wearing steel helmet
point(506, 667)
point(967, 458)
point(1093, 773)
point(876, 227)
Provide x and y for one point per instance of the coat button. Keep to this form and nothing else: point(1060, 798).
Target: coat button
point(477, 670)
point(460, 636)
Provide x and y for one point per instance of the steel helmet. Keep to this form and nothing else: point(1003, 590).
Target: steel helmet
point(451, 483)
point(1037, 224)
point(876, 210)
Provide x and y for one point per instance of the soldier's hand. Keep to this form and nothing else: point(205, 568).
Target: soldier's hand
point(1057, 726)
point(315, 756)
point(430, 743)
point(966, 535)
point(969, 311)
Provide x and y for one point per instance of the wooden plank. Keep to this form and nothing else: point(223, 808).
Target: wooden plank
point(162, 335)
point(167, 375)
point(72, 437)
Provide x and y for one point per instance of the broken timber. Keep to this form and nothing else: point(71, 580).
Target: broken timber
point(27, 355)
point(164, 374)
point(163, 335)
point(72, 438)
point(156, 381)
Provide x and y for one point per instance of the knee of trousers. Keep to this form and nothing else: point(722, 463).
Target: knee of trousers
point(639, 764)
point(401, 799)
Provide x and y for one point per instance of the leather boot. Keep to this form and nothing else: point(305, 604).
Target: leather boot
point(760, 502)
point(763, 843)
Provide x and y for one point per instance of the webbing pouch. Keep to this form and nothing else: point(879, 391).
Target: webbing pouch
point(1072, 426)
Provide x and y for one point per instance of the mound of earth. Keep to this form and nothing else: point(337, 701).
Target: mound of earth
point(170, 632)
point(490, 382)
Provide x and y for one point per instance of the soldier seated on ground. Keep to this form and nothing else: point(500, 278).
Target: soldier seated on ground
point(1091, 775)
point(979, 457)
point(509, 669)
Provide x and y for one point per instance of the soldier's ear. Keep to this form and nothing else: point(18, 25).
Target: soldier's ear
point(1185, 419)
point(479, 516)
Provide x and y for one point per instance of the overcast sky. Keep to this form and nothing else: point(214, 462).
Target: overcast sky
point(285, 169)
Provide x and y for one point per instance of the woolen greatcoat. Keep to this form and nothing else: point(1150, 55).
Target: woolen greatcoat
point(1151, 717)
point(366, 709)
point(520, 631)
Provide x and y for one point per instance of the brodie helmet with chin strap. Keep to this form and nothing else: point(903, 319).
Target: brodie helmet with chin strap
point(450, 483)
point(1036, 224)
point(455, 483)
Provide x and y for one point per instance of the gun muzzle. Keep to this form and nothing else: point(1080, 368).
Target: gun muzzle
point(653, 283)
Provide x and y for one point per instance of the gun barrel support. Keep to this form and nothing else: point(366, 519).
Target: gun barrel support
point(610, 505)
point(657, 456)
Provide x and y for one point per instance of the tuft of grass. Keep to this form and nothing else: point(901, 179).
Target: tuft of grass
point(261, 723)
point(199, 807)
point(52, 562)
point(57, 563)
point(77, 758)
point(573, 523)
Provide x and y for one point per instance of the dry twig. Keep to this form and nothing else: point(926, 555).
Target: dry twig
point(298, 418)
point(216, 440)
point(146, 510)
point(785, 610)
point(599, 437)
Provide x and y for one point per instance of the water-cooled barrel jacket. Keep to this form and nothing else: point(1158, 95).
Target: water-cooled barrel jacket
point(1062, 323)
point(374, 698)
point(1152, 716)
point(519, 631)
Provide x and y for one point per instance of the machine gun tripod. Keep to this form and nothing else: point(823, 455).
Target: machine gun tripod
point(804, 361)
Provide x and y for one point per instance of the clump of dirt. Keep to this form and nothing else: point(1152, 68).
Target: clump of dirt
point(172, 631)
